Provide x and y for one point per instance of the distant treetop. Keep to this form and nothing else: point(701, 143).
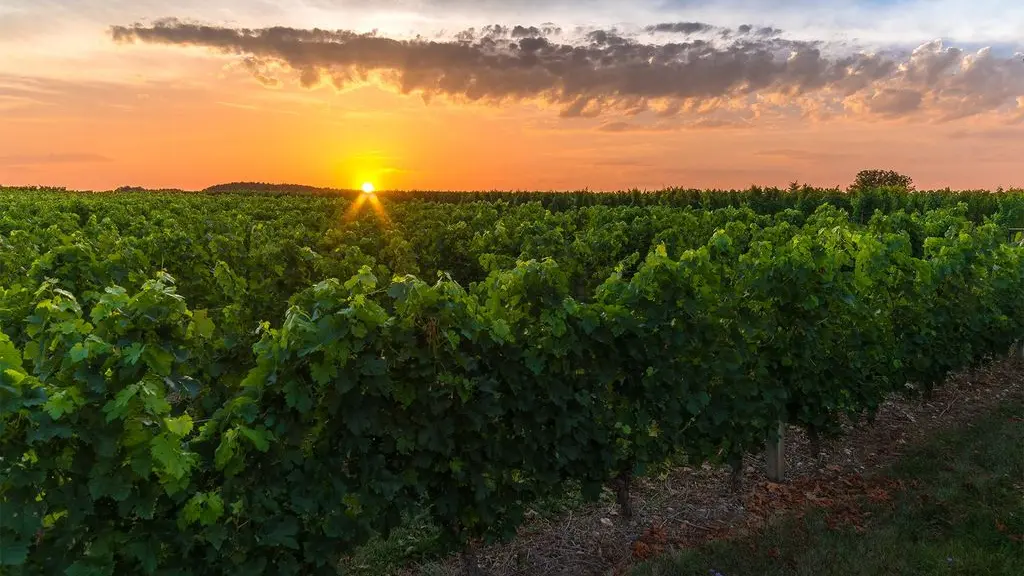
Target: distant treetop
point(882, 179)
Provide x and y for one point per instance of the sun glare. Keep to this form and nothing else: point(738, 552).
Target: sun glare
point(368, 188)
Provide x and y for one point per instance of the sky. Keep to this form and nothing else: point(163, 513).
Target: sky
point(510, 94)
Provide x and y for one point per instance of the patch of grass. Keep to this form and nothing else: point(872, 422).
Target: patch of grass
point(961, 513)
point(417, 542)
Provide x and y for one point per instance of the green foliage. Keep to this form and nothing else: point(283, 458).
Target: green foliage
point(867, 179)
point(95, 456)
point(246, 408)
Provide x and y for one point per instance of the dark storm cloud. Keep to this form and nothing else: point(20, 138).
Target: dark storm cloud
point(609, 69)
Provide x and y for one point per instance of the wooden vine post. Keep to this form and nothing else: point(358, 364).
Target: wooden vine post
point(776, 456)
point(1016, 236)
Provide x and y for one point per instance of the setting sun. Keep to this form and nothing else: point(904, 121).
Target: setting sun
point(368, 188)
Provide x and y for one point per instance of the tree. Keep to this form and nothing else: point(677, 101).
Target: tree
point(882, 179)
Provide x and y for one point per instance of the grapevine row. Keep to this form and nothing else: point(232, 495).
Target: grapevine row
point(127, 444)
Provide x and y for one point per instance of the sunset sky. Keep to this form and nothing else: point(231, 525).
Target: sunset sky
point(510, 94)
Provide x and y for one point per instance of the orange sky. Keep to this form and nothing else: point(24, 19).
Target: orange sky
point(85, 112)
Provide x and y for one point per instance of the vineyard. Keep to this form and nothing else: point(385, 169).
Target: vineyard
point(253, 379)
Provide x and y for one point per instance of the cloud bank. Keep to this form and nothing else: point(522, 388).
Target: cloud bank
point(672, 68)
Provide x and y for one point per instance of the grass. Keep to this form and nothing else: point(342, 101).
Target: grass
point(961, 513)
point(417, 542)
point(413, 541)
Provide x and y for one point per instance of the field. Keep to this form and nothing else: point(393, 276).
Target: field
point(259, 378)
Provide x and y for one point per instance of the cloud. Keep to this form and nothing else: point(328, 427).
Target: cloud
point(681, 27)
point(16, 92)
point(764, 32)
point(895, 101)
point(691, 28)
point(628, 127)
point(699, 124)
point(26, 160)
point(714, 123)
point(1013, 134)
point(609, 70)
point(798, 155)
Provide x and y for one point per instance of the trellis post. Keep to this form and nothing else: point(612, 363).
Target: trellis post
point(776, 456)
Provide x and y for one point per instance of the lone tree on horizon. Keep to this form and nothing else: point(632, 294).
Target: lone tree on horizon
point(867, 179)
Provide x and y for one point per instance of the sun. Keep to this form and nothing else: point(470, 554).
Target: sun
point(368, 188)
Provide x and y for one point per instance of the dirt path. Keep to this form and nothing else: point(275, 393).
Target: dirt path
point(687, 507)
